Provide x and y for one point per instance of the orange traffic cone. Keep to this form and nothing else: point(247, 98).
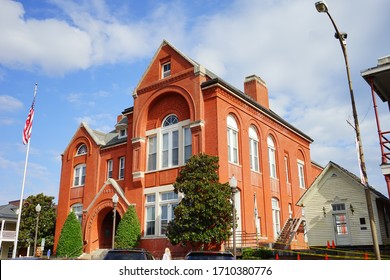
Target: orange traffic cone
point(365, 256)
point(326, 256)
point(298, 257)
point(277, 256)
point(327, 244)
point(333, 245)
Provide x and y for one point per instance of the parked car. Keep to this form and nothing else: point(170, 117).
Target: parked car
point(209, 255)
point(128, 254)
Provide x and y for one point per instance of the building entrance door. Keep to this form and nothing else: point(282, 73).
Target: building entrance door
point(106, 227)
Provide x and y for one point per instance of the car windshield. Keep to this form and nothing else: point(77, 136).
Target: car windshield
point(124, 255)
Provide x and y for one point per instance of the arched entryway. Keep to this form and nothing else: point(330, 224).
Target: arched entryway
point(105, 227)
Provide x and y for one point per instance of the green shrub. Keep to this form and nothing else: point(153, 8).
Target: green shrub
point(257, 254)
point(70, 244)
point(129, 230)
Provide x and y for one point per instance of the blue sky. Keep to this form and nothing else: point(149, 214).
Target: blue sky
point(88, 56)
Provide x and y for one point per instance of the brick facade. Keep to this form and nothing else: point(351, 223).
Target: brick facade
point(201, 102)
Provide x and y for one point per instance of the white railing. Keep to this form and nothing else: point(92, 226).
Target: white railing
point(7, 235)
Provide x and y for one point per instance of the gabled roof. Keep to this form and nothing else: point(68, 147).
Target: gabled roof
point(197, 67)
point(355, 179)
point(8, 212)
point(102, 139)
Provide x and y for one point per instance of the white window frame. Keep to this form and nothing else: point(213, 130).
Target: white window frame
point(77, 209)
point(156, 218)
point(79, 174)
point(121, 174)
point(276, 217)
point(254, 149)
point(232, 140)
point(286, 166)
point(110, 166)
point(175, 153)
point(187, 144)
point(169, 204)
point(122, 133)
point(82, 150)
point(170, 147)
point(166, 70)
point(150, 214)
point(301, 174)
point(152, 153)
point(272, 157)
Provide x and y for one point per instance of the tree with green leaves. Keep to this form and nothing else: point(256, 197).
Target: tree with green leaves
point(129, 230)
point(204, 215)
point(28, 221)
point(70, 243)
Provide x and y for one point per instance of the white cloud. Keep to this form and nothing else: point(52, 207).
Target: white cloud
point(9, 104)
point(50, 44)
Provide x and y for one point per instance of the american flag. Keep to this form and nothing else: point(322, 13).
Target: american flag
point(29, 121)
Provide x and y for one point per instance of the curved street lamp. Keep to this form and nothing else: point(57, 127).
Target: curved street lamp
point(323, 8)
point(38, 210)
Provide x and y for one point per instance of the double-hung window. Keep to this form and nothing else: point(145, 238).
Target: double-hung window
point(160, 206)
point(271, 157)
point(150, 214)
point(170, 142)
point(166, 70)
point(168, 203)
point(121, 168)
point(77, 209)
point(232, 137)
point(301, 174)
point(187, 143)
point(170, 145)
point(254, 149)
point(152, 152)
point(79, 175)
point(110, 164)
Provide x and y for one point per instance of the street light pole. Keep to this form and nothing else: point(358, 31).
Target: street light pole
point(115, 202)
point(233, 187)
point(322, 8)
point(38, 210)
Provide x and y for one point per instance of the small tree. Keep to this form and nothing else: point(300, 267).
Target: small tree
point(28, 222)
point(204, 215)
point(70, 244)
point(129, 230)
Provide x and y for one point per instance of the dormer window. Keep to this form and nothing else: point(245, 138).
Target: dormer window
point(166, 70)
point(122, 133)
point(81, 150)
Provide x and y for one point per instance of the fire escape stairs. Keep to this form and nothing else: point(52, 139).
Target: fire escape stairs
point(286, 235)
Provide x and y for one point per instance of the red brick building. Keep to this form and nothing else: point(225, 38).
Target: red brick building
point(180, 109)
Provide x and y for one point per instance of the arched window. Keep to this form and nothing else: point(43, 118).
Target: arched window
point(81, 150)
point(271, 157)
point(254, 149)
point(170, 120)
point(232, 135)
point(301, 170)
point(169, 145)
point(170, 142)
point(79, 175)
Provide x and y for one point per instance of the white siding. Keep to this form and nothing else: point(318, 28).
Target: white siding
point(337, 187)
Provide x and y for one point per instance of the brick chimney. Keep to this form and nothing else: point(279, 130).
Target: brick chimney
point(256, 89)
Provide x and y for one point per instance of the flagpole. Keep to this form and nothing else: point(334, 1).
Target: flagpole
point(23, 184)
point(21, 202)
